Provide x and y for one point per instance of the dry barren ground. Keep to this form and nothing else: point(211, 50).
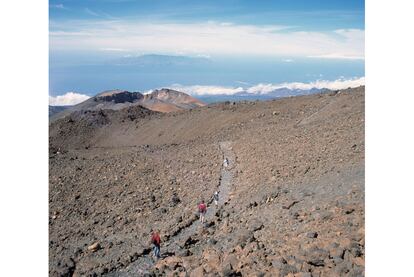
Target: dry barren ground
point(295, 202)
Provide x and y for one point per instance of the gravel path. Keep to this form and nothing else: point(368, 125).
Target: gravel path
point(144, 263)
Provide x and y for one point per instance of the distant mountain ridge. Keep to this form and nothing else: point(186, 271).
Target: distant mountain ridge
point(251, 96)
point(169, 100)
point(162, 100)
point(152, 60)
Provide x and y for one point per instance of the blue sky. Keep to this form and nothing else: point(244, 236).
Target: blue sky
point(305, 14)
point(280, 41)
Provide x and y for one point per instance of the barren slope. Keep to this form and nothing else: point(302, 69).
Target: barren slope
point(296, 203)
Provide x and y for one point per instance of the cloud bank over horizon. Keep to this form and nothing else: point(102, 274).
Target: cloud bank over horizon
point(73, 98)
point(263, 88)
point(67, 99)
point(253, 46)
point(205, 38)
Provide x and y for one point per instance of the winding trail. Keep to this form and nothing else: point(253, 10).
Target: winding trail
point(226, 174)
point(145, 262)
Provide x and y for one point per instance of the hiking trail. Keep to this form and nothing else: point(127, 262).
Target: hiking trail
point(145, 262)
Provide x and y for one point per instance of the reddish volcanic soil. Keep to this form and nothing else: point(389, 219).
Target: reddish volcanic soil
point(291, 199)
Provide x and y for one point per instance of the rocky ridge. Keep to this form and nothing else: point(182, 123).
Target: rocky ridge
point(163, 100)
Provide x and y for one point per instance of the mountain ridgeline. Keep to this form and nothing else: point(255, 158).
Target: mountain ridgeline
point(163, 100)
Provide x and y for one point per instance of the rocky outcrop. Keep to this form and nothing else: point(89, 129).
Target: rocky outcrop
point(178, 98)
point(118, 97)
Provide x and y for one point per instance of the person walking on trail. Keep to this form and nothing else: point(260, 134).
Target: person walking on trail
point(202, 209)
point(216, 198)
point(226, 162)
point(156, 242)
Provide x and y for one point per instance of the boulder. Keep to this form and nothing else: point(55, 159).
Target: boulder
point(254, 225)
point(231, 261)
point(303, 274)
point(337, 252)
point(212, 259)
point(316, 256)
point(312, 235)
point(228, 271)
point(66, 267)
point(356, 249)
point(197, 272)
point(94, 247)
point(278, 262)
point(288, 269)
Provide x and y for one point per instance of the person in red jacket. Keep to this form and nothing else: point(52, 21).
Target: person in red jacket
point(202, 209)
point(156, 241)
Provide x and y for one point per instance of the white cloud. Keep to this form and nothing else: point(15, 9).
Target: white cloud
point(336, 84)
point(209, 38)
point(337, 56)
point(89, 11)
point(243, 83)
point(207, 90)
point(69, 98)
point(266, 88)
point(73, 98)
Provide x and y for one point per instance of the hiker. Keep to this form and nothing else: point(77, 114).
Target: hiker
point(156, 241)
point(226, 162)
point(216, 198)
point(202, 209)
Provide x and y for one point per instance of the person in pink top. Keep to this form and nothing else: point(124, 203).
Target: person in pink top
point(202, 209)
point(156, 241)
